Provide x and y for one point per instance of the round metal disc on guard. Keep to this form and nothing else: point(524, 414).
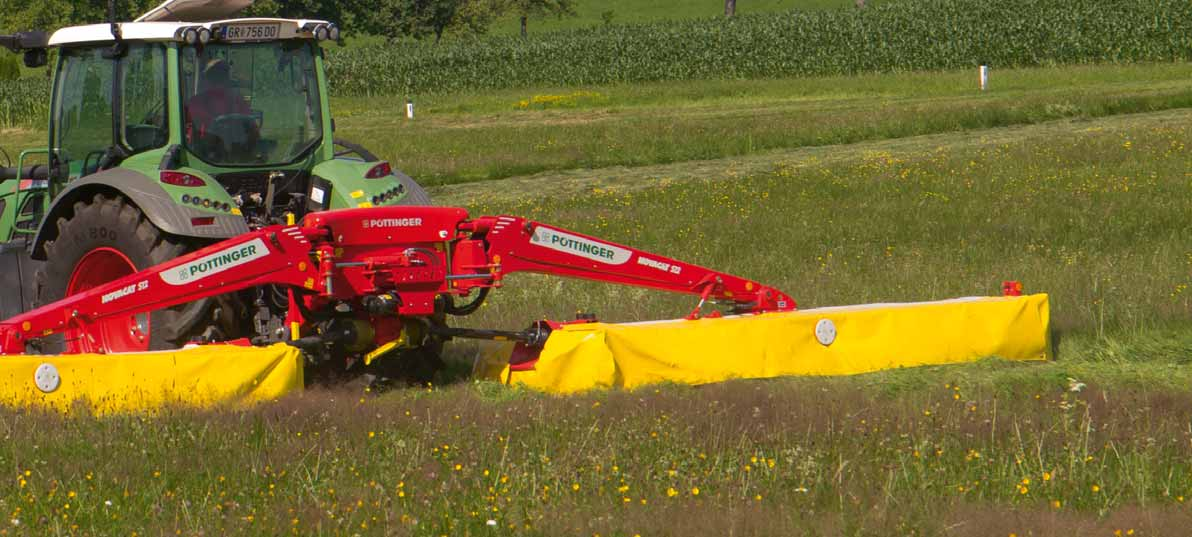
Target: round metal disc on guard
point(825, 332)
point(46, 378)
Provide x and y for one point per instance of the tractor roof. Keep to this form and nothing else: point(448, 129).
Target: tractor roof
point(171, 31)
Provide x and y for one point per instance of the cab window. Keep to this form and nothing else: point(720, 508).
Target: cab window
point(85, 113)
point(251, 104)
point(83, 109)
point(143, 88)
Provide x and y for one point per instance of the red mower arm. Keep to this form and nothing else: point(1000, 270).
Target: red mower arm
point(409, 256)
point(519, 245)
point(272, 255)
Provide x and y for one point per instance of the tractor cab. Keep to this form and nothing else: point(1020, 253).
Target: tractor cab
point(166, 134)
point(237, 100)
point(235, 104)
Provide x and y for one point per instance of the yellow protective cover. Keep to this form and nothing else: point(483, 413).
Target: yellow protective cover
point(202, 376)
point(868, 338)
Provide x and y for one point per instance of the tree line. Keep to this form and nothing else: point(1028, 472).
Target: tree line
point(419, 19)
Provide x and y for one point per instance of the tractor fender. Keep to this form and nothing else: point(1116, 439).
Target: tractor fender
point(168, 215)
point(340, 184)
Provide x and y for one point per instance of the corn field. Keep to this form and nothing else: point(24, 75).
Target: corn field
point(901, 36)
point(24, 102)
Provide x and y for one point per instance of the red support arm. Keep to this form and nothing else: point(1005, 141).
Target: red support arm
point(519, 245)
point(273, 255)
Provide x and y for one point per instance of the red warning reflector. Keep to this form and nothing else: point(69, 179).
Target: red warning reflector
point(1012, 288)
point(202, 221)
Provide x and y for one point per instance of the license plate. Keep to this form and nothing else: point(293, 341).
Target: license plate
point(251, 32)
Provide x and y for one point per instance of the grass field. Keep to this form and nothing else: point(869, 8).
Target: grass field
point(923, 218)
point(506, 133)
point(811, 457)
point(895, 187)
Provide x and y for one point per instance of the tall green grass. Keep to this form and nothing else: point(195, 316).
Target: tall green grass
point(788, 457)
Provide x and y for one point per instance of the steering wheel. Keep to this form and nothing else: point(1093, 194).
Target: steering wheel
point(242, 118)
point(235, 136)
point(153, 116)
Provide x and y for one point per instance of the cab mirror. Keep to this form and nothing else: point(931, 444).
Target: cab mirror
point(36, 58)
point(32, 39)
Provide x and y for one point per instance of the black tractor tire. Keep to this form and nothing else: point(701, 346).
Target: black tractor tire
point(415, 194)
point(111, 222)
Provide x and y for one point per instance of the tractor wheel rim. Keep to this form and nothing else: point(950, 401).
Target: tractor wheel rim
point(120, 334)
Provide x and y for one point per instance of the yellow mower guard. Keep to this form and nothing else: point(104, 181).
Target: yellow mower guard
point(577, 357)
point(867, 338)
point(137, 382)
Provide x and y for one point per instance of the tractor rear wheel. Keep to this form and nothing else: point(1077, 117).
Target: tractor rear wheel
point(107, 238)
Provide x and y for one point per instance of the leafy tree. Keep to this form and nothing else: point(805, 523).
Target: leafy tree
point(475, 16)
point(424, 18)
point(348, 14)
point(50, 15)
point(420, 18)
point(538, 8)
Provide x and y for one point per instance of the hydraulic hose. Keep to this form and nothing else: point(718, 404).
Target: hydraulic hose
point(469, 308)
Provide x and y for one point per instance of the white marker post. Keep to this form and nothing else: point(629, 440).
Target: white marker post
point(983, 76)
point(409, 109)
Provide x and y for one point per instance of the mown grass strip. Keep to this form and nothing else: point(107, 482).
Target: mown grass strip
point(477, 137)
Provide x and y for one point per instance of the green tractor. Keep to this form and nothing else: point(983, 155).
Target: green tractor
point(166, 135)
